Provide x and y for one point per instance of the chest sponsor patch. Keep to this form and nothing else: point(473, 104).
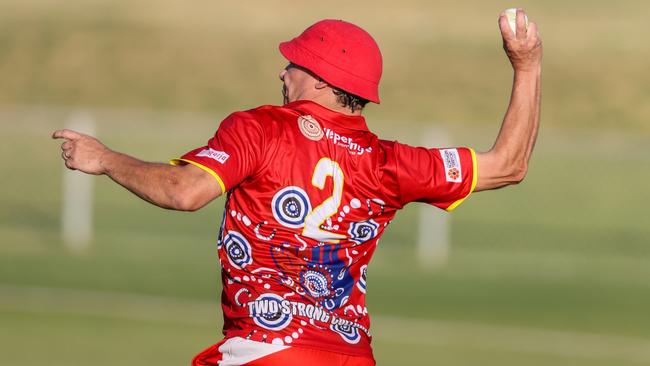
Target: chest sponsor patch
point(453, 169)
point(310, 127)
point(216, 155)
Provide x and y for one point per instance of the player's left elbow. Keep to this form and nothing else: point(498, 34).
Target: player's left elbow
point(187, 200)
point(183, 196)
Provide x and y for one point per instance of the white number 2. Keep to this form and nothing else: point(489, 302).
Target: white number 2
point(325, 168)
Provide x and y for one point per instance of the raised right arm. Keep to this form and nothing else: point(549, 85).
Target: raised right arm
point(507, 162)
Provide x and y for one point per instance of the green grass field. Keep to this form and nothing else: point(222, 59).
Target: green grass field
point(551, 272)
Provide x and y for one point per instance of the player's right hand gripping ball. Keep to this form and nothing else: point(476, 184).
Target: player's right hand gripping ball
point(511, 14)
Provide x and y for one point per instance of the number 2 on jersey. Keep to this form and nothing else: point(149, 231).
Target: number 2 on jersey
point(325, 168)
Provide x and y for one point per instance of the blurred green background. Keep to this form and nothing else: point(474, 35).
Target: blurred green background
point(551, 272)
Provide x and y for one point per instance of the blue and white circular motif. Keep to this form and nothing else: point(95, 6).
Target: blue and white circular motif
point(349, 333)
point(316, 283)
point(361, 232)
point(267, 312)
point(362, 279)
point(238, 249)
point(290, 207)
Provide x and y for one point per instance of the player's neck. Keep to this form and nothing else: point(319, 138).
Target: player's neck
point(330, 102)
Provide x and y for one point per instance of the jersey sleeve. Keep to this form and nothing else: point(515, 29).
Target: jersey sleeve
point(233, 154)
point(440, 177)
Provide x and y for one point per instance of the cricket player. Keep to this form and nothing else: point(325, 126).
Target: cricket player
point(309, 191)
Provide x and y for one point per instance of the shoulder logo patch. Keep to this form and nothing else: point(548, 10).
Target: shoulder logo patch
point(451, 160)
point(310, 127)
point(216, 155)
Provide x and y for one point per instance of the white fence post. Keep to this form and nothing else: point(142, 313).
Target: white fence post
point(434, 223)
point(77, 215)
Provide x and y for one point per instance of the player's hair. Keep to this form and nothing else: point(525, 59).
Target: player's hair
point(355, 103)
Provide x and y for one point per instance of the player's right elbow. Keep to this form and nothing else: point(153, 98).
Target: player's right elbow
point(518, 173)
point(499, 170)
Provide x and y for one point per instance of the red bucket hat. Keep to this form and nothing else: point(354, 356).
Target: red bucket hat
point(340, 53)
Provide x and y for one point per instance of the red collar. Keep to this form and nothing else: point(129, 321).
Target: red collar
point(332, 117)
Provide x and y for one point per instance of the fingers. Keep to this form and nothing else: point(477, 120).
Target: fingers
point(67, 152)
point(504, 26)
point(67, 160)
point(522, 45)
point(67, 134)
point(81, 152)
point(521, 24)
point(66, 148)
point(533, 32)
point(66, 145)
point(68, 164)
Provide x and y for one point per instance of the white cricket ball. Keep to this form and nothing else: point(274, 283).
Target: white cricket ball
point(511, 14)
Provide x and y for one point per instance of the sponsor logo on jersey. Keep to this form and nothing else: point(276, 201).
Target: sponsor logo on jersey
point(451, 160)
point(310, 127)
point(346, 142)
point(216, 155)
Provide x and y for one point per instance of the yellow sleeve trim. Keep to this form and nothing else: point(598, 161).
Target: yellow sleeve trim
point(203, 167)
point(474, 181)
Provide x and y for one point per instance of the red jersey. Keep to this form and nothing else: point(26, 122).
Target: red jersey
point(310, 191)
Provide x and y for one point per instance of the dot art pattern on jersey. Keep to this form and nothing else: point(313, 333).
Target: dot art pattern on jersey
point(375, 206)
point(325, 276)
point(316, 283)
point(362, 280)
point(347, 331)
point(361, 232)
point(239, 293)
point(238, 250)
point(258, 232)
point(290, 207)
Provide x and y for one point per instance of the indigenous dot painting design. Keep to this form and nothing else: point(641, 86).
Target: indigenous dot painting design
point(222, 229)
point(238, 249)
point(294, 248)
point(310, 128)
point(290, 206)
point(326, 261)
point(347, 331)
point(362, 279)
point(361, 232)
point(317, 283)
point(267, 312)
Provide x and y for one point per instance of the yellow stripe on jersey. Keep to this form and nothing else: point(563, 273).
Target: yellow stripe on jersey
point(178, 162)
point(474, 181)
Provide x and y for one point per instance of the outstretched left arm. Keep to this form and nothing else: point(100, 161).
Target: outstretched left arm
point(184, 188)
